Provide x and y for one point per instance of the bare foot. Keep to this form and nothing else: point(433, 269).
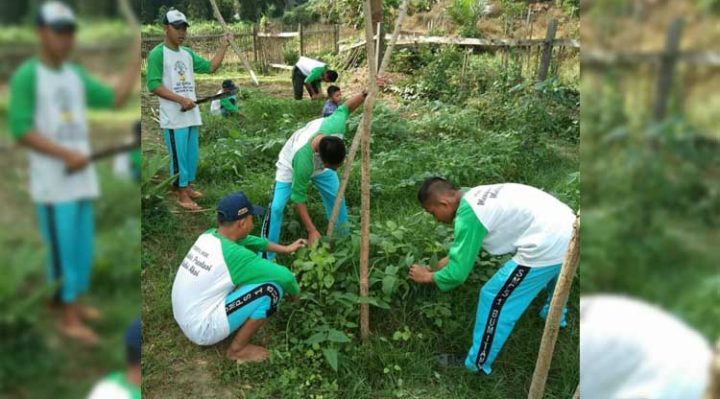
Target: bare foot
point(189, 205)
point(194, 194)
point(80, 333)
point(249, 354)
point(88, 312)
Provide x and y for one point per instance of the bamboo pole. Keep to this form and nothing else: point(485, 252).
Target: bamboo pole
point(713, 389)
point(356, 140)
point(364, 132)
point(552, 324)
point(130, 16)
point(239, 53)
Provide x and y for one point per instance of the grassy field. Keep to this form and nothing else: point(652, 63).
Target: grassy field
point(506, 132)
point(36, 362)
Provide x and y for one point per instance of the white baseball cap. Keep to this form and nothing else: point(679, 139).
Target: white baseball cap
point(175, 18)
point(57, 15)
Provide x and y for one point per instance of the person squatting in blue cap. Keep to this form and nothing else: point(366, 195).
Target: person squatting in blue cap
point(222, 286)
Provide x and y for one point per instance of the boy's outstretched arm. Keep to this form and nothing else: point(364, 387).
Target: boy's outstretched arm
point(287, 249)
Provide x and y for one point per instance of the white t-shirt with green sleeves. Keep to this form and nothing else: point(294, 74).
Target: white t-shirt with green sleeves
point(297, 141)
point(523, 220)
point(175, 70)
point(212, 269)
point(115, 386)
point(306, 65)
point(52, 103)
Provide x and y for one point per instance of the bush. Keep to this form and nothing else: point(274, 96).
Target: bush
point(465, 14)
point(291, 55)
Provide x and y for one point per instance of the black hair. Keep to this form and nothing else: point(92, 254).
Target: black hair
point(331, 75)
point(332, 89)
point(133, 354)
point(137, 129)
point(433, 186)
point(332, 150)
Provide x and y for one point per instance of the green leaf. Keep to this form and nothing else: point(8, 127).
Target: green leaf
point(388, 284)
point(331, 355)
point(391, 225)
point(337, 336)
point(317, 338)
point(328, 280)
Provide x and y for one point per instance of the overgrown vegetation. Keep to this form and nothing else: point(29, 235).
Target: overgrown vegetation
point(651, 205)
point(51, 366)
point(473, 134)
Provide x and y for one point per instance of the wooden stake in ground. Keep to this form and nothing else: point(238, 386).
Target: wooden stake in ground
point(356, 140)
point(713, 389)
point(239, 53)
point(364, 132)
point(552, 324)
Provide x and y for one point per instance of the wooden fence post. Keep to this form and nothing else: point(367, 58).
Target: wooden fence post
point(356, 140)
point(336, 38)
point(547, 50)
point(254, 42)
point(302, 39)
point(552, 324)
point(379, 44)
point(667, 69)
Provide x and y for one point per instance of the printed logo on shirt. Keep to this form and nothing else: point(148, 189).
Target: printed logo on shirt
point(63, 99)
point(196, 261)
point(183, 85)
point(180, 68)
point(68, 129)
point(489, 193)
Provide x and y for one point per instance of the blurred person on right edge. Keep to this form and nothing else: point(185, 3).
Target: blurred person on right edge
point(650, 308)
point(124, 384)
point(47, 113)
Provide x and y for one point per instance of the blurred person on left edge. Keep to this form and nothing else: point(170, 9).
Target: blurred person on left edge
point(48, 101)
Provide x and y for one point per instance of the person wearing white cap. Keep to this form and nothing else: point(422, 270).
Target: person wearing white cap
point(47, 114)
point(171, 76)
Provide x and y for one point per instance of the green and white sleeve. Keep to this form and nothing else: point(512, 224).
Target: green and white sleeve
point(469, 235)
point(303, 168)
point(246, 267)
point(155, 68)
point(21, 112)
point(200, 64)
point(97, 94)
point(227, 105)
point(254, 243)
point(336, 124)
point(315, 74)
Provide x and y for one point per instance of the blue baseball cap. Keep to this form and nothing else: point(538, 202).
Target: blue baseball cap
point(133, 342)
point(236, 206)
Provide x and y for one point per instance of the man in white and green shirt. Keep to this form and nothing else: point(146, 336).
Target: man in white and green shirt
point(311, 154)
point(504, 219)
point(124, 384)
point(222, 285)
point(171, 73)
point(309, 73)
point(49, 97)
